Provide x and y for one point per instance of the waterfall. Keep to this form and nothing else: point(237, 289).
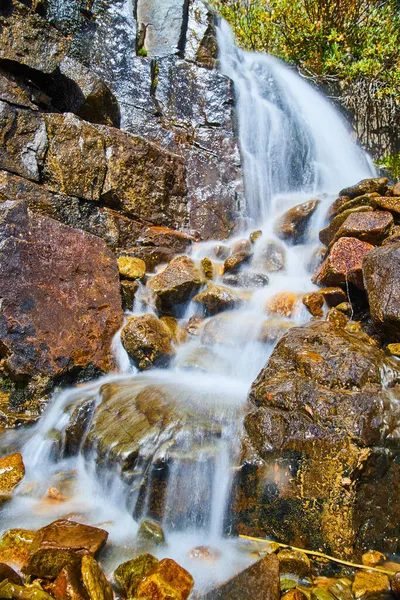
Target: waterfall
point(292, 138)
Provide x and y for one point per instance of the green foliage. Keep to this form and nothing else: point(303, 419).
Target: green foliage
point(142, 52)
point(343, 39)
point(392, 164)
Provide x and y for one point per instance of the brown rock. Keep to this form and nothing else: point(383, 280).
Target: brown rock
point(234, 262)
point(381, 278)
point(28, 39)
point(167, 238)
point(373, 558)
point(371, 227)
point(282, 304)
point(391, 204)
point(208, 269)
point(27, 592)
point(293, 595)
point(336, 206)
point(179, 333)
point(15, 546)
point(336, 318)
point(260, 581)
point(94, 580)
point(371, 200)
point(293, 224)
point(148, 341)
point(130, 573)
point(67, 586)
point(174, 287)
point(166, 581)
point(366, 186)
point(333, 295)
point(130, 267)
point(217, 298)
point(241, 246)
point(273, 329)
point(222, 252)
point(153, 256)
point(327, 235)
point(8, 573)
point(195, 324)
point(12, 471)
point(294, 562)
point(62, 544)
point(255, 235)
point(394, 349)
point(65, 299)
point(80, 416)
point(396, 189)
point(395, 584)
point(271, 257)
point(128, 291)
point(12, 93)
point(23, 141)
point(314, 301)
point(367, 584)
point(344, 263)
point(204, 553)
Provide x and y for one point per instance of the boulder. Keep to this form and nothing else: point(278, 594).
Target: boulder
point(26, 592)
point(235, 261)
point(15, 546)
point(62, 544)
point(241, 246)
point(130, 267)
point(27, 39)
point(370, 200)
point(217, 298)
point(292, 226)
point(343, 264)
point(381, 278)
point(129, 574)
point(165, 237)
point(371, 227)
point(333, 295)
point(166, 581)
point(294, 562)
point(327, 235)
point(12, 471)
point(23, 141)
point(366, 186)
point(174, 287)
point(178, 332)
point(148, 341)
point(94, 580)
point(61, 286)
point(260, 581)
point(80, 415)
point(67, 585)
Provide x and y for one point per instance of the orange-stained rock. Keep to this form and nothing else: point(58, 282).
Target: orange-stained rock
point(94, 580)
point(61, 303)
point(344, 263)
point(67, 586)
point(168, 238)
point(273, 329)
point(314, 301)
point(293, 224)
point(208, 269)
point(282, 304)
point(373, 558)
point(15, 546)
point(130, 267)
point(166, 581)
point(12, 471)
point(62, 544)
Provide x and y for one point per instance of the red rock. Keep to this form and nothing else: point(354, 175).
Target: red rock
point(61, 302)
point(343, 264)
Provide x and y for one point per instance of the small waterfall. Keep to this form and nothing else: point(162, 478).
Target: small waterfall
point(292, 139)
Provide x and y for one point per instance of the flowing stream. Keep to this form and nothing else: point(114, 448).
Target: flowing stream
point(295, 146)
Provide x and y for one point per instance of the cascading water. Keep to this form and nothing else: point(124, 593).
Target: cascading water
point(294, 146)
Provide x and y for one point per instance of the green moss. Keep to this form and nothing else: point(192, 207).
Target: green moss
point(392, 164)
point(142, 52)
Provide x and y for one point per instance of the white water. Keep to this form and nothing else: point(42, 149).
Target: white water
point(295, 146)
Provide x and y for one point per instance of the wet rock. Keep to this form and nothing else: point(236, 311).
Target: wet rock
point(368, 584)
point(373, 558)
point(283, 304)
point(67, 586)
point(234, 262)
point(394, 349)
point(294, 562)
point(273, 329)
point(208, 269)
point(174, 287)
point(314, 301)
point(204, 553)
point(74, 432)
point(345, 308)
point(343, 264)
point(130, 267)
point(366, 186)
point(341, 589)
point(255, 235)
point(15, 546)
point(203, 359)
point(294, 595)
point(222, 252)
point(391, 204)
point(316, 259)
point(394, 238)
point(228, 329)
point(152, 256)
point(12, 471)
point(165, 237)
point(292, 226)
point(66, 298)
point(28, 592)
point(178, 333)
point(371, 227)
point(8, 573)
point(150, 532)
point(12, 93)
point(365, 200)
point(271, 258)
point(23, 141)
point(328, 234)
point(260, 581)
point(129, 574)
point(320, 593)
point(27, 39)
point(395, 584)
point(94, 580)
point(62, 544)
point(337, 205)
point(241, 246)
point(148, 341)
point(166, 581)
point(128, 292)
point(381, 269)
point(333, 295)
point(246, 279)
point(217, 298)
point(396, 189)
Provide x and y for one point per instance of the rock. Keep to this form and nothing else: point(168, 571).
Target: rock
point(28, 592)
point(94, 580)
point(13, 92)
point(246, 279)
point(367, 584)
point(203, 359)
point(67, 586)
point(371, 227)
point(12, 471)
point(174, 287)
point(128, 291)
point(394, 349)
point(371, 200)
point(241, 246)
point(204, 553)
point(271, 258)
point(343, 264)
point(165, 237)
point(373, 558)
point(23, 141)
point(273, 329)
point(222, 252)
point(260, 581)
point(208, 269)
point(74, 432)
point(234, 262)
point(294, 562)
point(320, 593)
point(195, 324)
point(395, 584)
point(217, 298)
point(328, 234)
point(255, 235)
point(178, 333)
point(314, 301)
point(129, 574)
point(27, 39)
point(152, 256)
point(396, 189)
point(294, 595)
point(316, 259)
point(337, 318)
point(166, 581)
point(15, 546)
point(8, 573)
point(148, 341)
point(394, 238)
point(283, 304)
point(130, 267)
point(292, 226)
point(341, 589)
point(66, 298)
point(366, 186)
point(391, 204)
point(381, 269)
point(150, 532)
point(333, 295)
point(336, 206)
point(62, 544)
